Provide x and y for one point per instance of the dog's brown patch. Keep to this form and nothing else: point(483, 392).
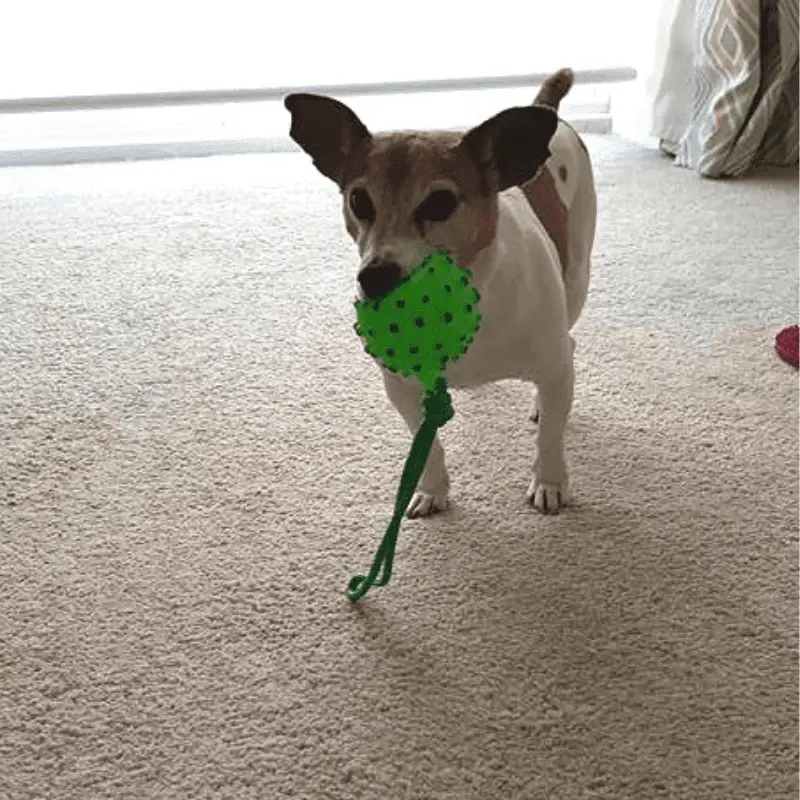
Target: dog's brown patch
point(401, 168)
point(562, 173)
point(330, 133)
point(541, 193)
point(400, 159)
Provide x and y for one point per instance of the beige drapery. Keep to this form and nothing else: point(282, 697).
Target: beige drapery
point(724, 84)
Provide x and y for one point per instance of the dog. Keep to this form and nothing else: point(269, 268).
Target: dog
point(512, 200)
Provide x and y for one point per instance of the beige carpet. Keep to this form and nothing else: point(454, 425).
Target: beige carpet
point(195, 457)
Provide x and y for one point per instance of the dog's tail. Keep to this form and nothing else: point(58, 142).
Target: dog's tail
point(555, 88)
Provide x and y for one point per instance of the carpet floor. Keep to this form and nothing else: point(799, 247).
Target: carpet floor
point(196, 456)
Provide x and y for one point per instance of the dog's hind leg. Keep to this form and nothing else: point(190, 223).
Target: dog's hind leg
point(535, 410)
point(549, 489)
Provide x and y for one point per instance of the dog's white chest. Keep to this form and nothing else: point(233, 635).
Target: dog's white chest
point(522, 302)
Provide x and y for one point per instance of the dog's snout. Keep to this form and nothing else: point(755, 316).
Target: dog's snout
point(379, 277)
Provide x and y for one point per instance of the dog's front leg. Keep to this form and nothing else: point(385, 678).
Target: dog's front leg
point(431, 494)
point(549, 489)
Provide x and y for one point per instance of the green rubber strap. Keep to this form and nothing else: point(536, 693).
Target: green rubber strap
point(437, 410)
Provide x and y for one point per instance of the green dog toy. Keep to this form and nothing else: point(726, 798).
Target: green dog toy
point(427, 321)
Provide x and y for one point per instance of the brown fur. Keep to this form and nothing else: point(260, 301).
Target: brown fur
point(399, 170)
point(541, 193)
point(541, 190)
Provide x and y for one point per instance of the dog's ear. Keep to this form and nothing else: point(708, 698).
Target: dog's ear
point(510, 147)
point(327, 130)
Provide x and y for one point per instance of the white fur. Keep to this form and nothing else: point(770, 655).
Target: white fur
point(529, 307)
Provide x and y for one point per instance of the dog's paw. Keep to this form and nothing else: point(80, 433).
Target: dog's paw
point(547, 498)
point(425, 505)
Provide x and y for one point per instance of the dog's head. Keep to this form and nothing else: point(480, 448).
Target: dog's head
point(406, 195)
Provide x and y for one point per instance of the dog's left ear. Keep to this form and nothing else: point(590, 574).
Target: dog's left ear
point(510, 147)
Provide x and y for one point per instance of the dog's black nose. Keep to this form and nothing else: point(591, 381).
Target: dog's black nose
point(379, 277)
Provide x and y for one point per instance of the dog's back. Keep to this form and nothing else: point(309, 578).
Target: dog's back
point(562, 195)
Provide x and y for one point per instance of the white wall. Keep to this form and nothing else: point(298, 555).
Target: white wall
point(52, 47)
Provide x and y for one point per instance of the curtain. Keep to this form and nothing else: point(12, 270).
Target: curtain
point(724, 85)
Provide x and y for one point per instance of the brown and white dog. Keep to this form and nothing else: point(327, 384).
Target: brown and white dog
point(513, 200)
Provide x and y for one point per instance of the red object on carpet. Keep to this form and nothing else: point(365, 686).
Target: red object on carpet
point(786, 344)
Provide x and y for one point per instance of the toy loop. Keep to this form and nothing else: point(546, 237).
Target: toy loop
point(438, 410)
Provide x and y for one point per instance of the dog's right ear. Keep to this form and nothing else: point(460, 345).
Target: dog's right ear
point(328, 131)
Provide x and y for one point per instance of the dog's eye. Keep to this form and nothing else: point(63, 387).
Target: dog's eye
point(361, 205)
point(438, 206)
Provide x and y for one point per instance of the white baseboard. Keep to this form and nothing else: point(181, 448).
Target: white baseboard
point(54, 154)
point(73, 130)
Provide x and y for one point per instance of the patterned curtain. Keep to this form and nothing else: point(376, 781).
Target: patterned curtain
point(739, 106)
